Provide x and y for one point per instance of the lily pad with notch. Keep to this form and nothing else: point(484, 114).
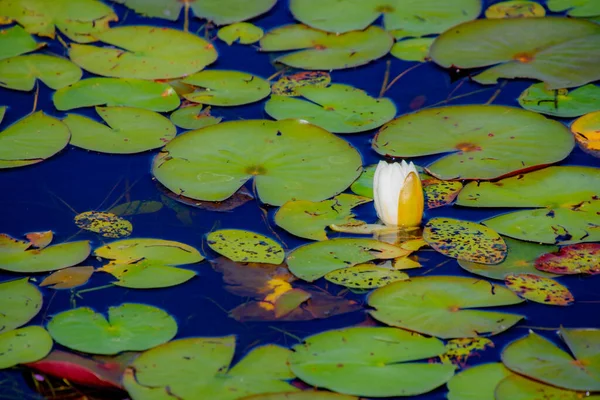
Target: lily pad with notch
point(193, 117)
point(20, 301)
point(157, 250)
point(226, 88)
point(561, 102)
point(242, 32)
point(21, 72)
point(23, 345)
point(15, 41)
point(518, 387)
point(478, 382)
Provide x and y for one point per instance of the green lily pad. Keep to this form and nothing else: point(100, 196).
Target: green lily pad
point(24, 345)
point(516, 387)
point(304, 395)
point(16, 255)
point(412, 49)
point(145, 52)
point(562, 52)
point(477, 383)
point(365, 276)
point(192, 117)
point(156, 250)
point(574, 259)
point(538, 358)
point(337, 108)
point(130, 130)
point(561, 102)
point(226, 88)
point(288, 85)
point(480, 141)
point(129, 327)
point(14, 41)
point(515, 9)
point(326, 51)
point(290, 160)
point(350, 360)
point(404, 17)
point(245, 246)
point(78, 20)
point(147, 274)
point(520, 259)
point(308, 219)
point(104, 223)
point(575, 8)
point(443, 306)
point(587, 133)
point(21, 72)
point(199, 368)
point(539, 289)
point(242, 32)
point(465, 240)
point(154, 96)
point(567, 201)
point(20, 301)
point(219, 12)
point(313, 261)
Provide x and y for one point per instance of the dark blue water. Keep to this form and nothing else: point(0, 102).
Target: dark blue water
point(46, 196)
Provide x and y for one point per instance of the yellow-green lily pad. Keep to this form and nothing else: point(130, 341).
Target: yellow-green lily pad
point(416, 49)
point(162, 251)
point(288, 85)
point(147, 274)
point(193, 117)
point(478, 382)
point(561, 102)
point(14, 41)
point(365, 276)
point(575, 8)
point(21, 72)
point(104, 223)
point(242, 32)
point(226, 88)
point(515, 9)
point(517, 387)
point(24, 345)
point(20, 301)
point(245, 246)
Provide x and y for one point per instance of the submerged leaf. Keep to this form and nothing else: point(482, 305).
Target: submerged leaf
point(136, 207)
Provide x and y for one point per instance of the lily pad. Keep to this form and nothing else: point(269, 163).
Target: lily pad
point(14, 41)
point(412, 49)
point(539, 289)
point(245, 246)
point(157, 250)
point(443, 306)
point(516, 387)
point(24, 345)
point(130, 130)
point(106, 224)
point(17, 256)
point(199, 368)
point(145, 274)
point(219, 12)
point(465, 240)
point(304, 395)
point(152, 96)
point(308, 219)
point(136, 207)
point(337, 108)
point(145, 52)
point(313, 261)
point(129, 327)
point(79, 20)
point(458, 351)
point(587, 133)
point(21, 72)
point(520, 259)
point(226, 88)
point(68, 278)
point(365, 276)
point(538, 358)
point(574, 259)
point(289, 85)
point(404, 17)
point(192, 117)
point(242, 32)
point(567, 201)
point(350, 360)
point(480, 141)
point(477, 383)
point(290, 160)
point(326, 51)
point(575, 8)
point(20, 301)
point(561, 52)
point(515, 9)
point(561, 102)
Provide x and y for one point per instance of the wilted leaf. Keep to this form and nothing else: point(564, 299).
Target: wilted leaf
point(539, 289)
point(40, 239)
point(289, 85)
point(68, 278)
point(458, 351)
point(581, 258)
point(587, 133)
point(239, 198)
point(106, 224)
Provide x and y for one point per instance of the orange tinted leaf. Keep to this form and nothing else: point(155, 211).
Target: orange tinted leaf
point(539, 289)
point(40, 239)
point(583, 258)
point(459, 350)
point(68, 278)
point(289, 301)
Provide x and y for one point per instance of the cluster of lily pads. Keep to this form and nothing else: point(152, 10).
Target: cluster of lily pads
point(424, 327)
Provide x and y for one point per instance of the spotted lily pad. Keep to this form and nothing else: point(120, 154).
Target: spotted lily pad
point(458, 351)
point(24, 345)
point(289, 85)
point(515, 9)
point(325, 51)
point(538, 358)
point(20, 301)
point(290, 160)
point(17, 256)
point(193, 117)
point(144, 52)
point(242, 32)
point(587, 133)
point(106, 224)
point(539, 289)
point(365, 276)
point(561, 102)
point(465, 240)
point(308, 219)
point(337, 108)
point(199, 368)
point(21, 72)
point(581, 258)
point(129, 327)
point(443, 306)
point(78, 20)
point(312, 261)
point(152, 96)
point(477, 383)
point(416, 49)
point(520, 259)
point(245, 246)
point(130, 130)
point(226, 88)
point(561, 52)
point(480, 141)
point(404, 17)
point(14, 41)
point(219, 12)
point(575, 8)
point(350, 360)
point(517, 387)
point(567, 201)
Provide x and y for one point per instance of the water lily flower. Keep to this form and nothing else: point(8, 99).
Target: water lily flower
point(398, 194)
